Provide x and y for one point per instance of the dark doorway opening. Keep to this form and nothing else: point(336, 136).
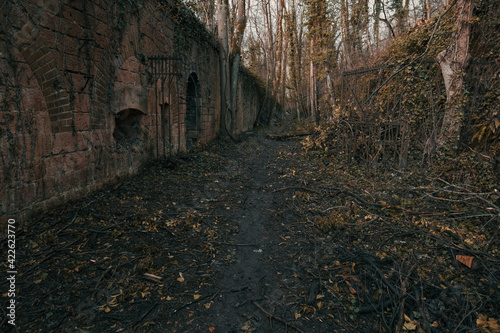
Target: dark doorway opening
point(166, 132)
point(193, 111)
point(128, 129)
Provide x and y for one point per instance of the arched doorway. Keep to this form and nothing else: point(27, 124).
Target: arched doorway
point(193, 112)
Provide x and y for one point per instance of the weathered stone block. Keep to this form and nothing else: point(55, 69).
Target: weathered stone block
point(63, 143)
point(129, 97)
point(82, 121)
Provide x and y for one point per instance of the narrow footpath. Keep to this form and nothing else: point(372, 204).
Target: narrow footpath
point(254, 279)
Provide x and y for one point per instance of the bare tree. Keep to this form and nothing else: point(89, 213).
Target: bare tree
point(453, 62)
point(230, 59)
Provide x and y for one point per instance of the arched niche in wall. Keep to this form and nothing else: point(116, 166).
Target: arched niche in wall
point(128, 130)
point(129, 104)
point(193, 111)
point(25, 36)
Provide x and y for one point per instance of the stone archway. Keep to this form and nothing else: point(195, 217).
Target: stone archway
point(129, 104)
point(193, 111)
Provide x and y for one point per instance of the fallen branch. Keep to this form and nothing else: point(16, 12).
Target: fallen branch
point(193, 302)
point(381, 274)
point(100, 280)
point(145, 314)
point(67, 225)
point(375, 307)
point(297, 188)
point(270, 315)
point(233, 244)
point(153, 277)
point(404, 286)
point(287, 136)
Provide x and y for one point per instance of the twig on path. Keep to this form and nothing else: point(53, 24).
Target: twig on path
point(425, 321)
point(67, 225)
point(297, 188)
point(287, 136)
point(381, 274)
point(100, 280)
point(233, 244)
point(404, 286)
point(270, 315)
point(145, 314)
point(334, 207)
point(241, 288)
point(375, 307)
point(355, 196)
point(249, 301)
point(152, 277)
point(212, 295)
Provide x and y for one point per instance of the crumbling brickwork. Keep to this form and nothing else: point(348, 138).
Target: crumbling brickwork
point(81, 105)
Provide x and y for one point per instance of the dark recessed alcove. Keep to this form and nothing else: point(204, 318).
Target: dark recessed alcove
point(128, 129)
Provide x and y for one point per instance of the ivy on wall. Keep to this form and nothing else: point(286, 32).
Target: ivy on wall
point(415, 92)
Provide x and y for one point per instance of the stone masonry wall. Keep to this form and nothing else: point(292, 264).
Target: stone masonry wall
point(80, 105)
point(247, 109)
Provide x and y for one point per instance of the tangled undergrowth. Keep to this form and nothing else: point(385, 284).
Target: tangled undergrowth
point(418, 247)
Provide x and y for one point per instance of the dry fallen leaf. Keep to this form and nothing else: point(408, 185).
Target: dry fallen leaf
point(494, 325)
point(467, 261)
point(247, 328)
point(351, 289)
point(196, 296)
point(181, 278)
point(409, 325)
point(481, 320)
point(297, 315)
point(207, 305)
point(486, 324)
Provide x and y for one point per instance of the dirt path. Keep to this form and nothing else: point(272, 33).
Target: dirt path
point(261, 287)
point(251, 278)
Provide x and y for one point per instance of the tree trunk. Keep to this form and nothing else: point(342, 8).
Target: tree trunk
point(346, 34)
point(235, 55)
point(331, 94)
point(298, 60)
point(271, 54)
point(222, 34)
point(453, 62)
point(313, 87)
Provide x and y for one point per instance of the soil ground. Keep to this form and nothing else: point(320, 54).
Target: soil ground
point(246, 237)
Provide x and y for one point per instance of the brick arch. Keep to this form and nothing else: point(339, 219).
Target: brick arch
point(42, 63)
point(104, 77)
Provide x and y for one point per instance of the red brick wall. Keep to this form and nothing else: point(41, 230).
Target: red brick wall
point(78, 108)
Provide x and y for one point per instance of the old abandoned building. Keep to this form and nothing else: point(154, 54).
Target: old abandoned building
point(90, 90)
